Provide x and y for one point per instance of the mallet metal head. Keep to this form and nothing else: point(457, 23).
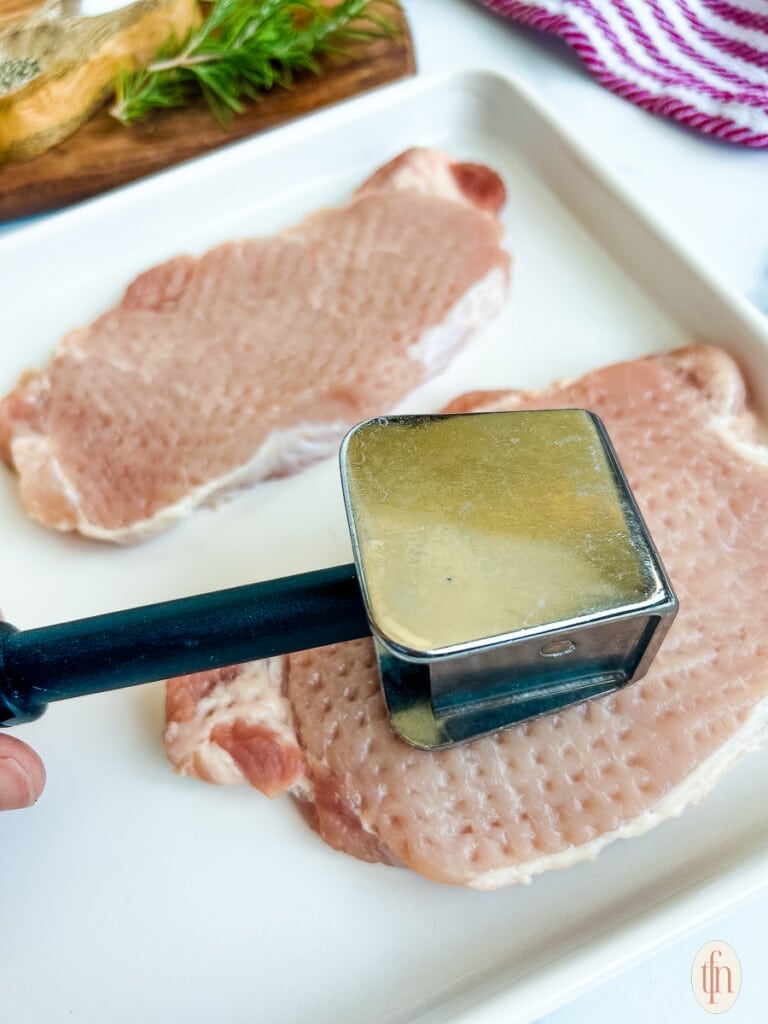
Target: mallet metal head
point(505, 568)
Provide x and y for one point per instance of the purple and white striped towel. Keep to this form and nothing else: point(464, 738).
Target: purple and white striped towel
point(704, 62)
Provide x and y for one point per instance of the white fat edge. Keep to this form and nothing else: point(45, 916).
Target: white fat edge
point(428, 172)
point(284, 452)
point(744, 447)
point(38, 449)
point(691, 791)
point(255, 697)
point(477, 307)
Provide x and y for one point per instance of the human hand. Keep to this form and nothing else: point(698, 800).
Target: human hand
point(22, 775)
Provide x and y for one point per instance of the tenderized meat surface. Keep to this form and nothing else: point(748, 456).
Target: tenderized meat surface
point(547, 793)
point(253, 360)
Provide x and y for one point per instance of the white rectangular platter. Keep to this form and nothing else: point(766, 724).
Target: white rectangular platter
point(132, 895)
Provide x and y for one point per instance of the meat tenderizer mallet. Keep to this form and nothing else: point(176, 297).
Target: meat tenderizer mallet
point(500, 563)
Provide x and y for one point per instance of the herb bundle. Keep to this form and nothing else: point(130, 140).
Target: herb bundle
point(242, 48)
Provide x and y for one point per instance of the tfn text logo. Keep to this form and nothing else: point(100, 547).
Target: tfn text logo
point(716, 977)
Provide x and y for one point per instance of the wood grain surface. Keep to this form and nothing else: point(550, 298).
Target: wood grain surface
point(13, 10)
point(103, 154)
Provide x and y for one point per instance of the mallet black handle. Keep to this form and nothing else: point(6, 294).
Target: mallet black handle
point(191, 634)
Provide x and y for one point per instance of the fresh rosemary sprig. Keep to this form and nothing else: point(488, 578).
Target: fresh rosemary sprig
point(242, 48)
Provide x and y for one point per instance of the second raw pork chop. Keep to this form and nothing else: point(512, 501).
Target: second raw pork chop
point(253, 360)
point(551, 792)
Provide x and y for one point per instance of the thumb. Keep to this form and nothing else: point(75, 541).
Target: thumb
point(22, 775)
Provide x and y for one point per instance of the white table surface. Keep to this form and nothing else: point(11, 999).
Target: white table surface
point(715, 198)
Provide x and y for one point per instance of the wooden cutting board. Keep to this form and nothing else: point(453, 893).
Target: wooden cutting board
point(103, 154)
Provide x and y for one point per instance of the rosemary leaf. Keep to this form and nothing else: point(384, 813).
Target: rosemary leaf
point(244, 48)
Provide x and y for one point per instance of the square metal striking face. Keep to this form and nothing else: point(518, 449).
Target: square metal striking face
point(505, 567)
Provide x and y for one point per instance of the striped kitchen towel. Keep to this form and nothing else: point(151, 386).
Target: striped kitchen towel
point(704, 62)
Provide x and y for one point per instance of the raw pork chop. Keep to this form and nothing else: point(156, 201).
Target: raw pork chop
point(547, 793)
point(253, 360)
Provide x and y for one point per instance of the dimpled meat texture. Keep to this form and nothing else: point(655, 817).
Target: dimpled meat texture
point(253, 360)
point(548, 793)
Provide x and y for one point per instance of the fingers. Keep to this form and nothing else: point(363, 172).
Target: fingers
point(22, 775)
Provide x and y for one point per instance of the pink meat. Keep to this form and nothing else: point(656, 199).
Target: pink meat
point(548, 793)
point(254, 359)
